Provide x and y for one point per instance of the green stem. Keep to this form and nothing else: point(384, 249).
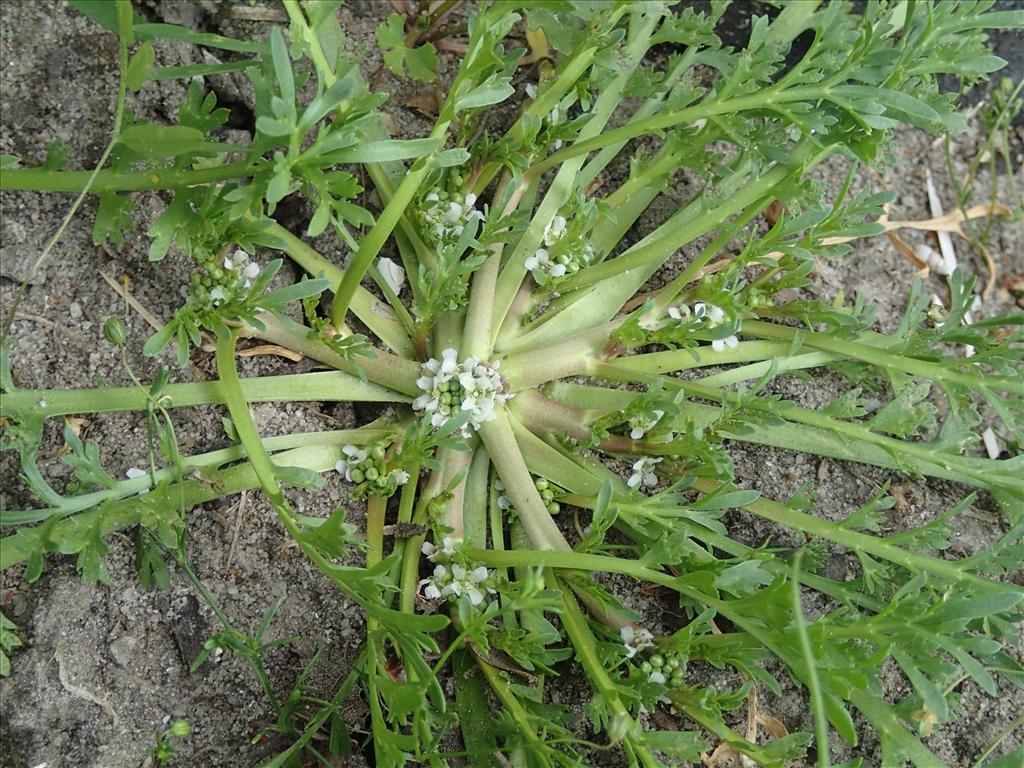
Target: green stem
point(38, 179)
point(857, 351)
point(334, 386)
point(583, 641)
point(378, 317)
point(381, 231)
point(813, 681)
point(206, 462)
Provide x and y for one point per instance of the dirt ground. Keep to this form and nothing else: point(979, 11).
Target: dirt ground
point(104, 667)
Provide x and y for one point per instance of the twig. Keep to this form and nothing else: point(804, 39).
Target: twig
point(122, 291)
point(239, 508)
point(80, 692)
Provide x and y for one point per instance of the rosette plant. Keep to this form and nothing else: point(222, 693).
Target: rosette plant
point(542, 351)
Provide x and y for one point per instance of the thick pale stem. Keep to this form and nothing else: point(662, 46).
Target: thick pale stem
point(508, 460)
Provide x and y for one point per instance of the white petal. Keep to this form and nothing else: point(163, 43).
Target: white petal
point(636, 433)
point(475, 596)
point(718, 345)
point(392, 273)
point(427, 549)
point(557, 270)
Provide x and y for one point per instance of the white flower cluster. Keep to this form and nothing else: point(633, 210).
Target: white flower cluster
point(563, 263)
point(635, 640)
point(643, 473)
point(642, 423)
point(453, 580)
point(450, 387)
point(241, 271)
point(446, 216)
point(706, 316)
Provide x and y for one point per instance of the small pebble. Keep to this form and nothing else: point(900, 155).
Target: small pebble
point(76, 310)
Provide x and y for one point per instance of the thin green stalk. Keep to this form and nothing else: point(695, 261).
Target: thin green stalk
point(583, 641)
point(381, 231)
point(564, 183)
point(395, 332)
point(396, 373)
point(207, 462)
point(37, 179)
point(335, 386)
point(813, 682)
point(858, 351)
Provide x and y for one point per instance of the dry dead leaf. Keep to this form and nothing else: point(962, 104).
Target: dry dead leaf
point(425, 103)
point(271, 349)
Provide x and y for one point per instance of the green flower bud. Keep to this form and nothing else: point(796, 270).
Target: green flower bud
point(657, 661)
point(180, 728)
point(114, 331)
point(378, 452)
point(553, 508)
point(547, 494)
point(672, 662)
point(540, 484)
point(646, 668)
point(357, 476)
point(372, 473)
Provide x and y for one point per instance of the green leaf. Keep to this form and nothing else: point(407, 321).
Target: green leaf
point(9, 161)
point(743, 578)
point(208, 39)
point(684, 745)
point(421, 62)
point(153, 141)
point(56, 156)
point(156, 343)
point(112, 218)
point(493, 90)
point(387, 151)
point(140, 67)
point(449, 158)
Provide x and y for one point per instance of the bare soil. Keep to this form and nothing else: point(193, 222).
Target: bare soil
point(105, 667)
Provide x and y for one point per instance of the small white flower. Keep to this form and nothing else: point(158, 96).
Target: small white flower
point(719, 345)
point(643, 473)
point(635, 640)
point(531, 90)
point(554, 231)
point(450, 386)
point(217, 295)
point(446, 551)
point(642, 423)
point(433, 586)
point(354, 457)
point(400, 476)
point(680, 312)
point(393, 274)
point(541, 262)
point(468, 582)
